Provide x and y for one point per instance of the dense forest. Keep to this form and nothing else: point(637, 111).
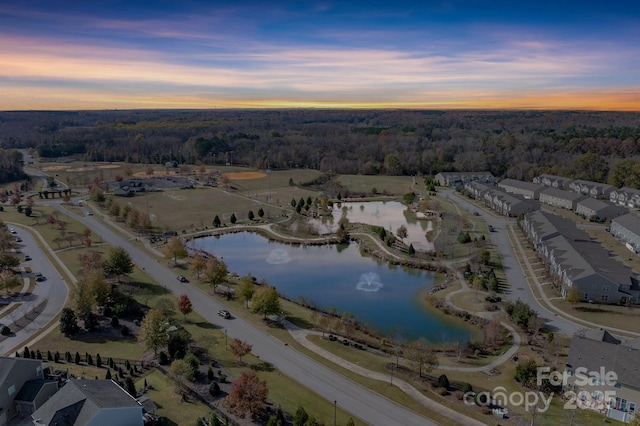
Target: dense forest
point(599, 146)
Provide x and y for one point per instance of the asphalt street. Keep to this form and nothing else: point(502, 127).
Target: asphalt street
point(518, 285)
point(53, 288)
point(349, 396)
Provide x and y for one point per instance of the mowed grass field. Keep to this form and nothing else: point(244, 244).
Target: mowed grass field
point(395, 185)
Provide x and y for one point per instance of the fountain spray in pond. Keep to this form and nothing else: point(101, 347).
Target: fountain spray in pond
point(278, 256)
point(369, 282)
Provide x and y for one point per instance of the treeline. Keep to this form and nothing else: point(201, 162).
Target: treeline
point(516, 144)
point(11, 162)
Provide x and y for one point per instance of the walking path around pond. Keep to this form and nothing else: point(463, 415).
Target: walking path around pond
point(300, 335)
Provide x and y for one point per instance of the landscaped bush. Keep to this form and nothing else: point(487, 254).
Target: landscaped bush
point(443, 381)
point(115, 321)
point(467, 388)
point(5, 331)
point(124, 330)
point(214, 389)
point(459, 395)
point(163, 359)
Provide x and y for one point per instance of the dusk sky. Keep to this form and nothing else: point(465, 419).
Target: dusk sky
point(326, 54)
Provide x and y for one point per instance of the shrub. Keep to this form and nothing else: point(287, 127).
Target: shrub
point(107, 311)
point(443, 381)
point(459, 395)
point(485, 410)
point(163, 359)
point(115, 321)
point(467, 388)
point(210, 373)
point(124, 330)
point(214, 389)
point(5, 331)
point(442, 391)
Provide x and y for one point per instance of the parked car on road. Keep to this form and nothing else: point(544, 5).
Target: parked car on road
point(39, 276)
point(224, 313)
point(182, 279)
point(27, 258)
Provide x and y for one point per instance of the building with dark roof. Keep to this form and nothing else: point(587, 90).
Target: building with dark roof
point(90, 402)
point(625, 196)
point(553, 181)
point(626, 228)
point(574, 259)
point(526, 189)
point(560, 198)
point(598, 210)
point(14, 374)
point(456, 179)
point(613, 368)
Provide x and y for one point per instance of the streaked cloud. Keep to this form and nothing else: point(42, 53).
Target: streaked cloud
point(222, 57)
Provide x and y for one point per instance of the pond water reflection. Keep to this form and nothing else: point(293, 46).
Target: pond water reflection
point(377, 294)
point(389, 215)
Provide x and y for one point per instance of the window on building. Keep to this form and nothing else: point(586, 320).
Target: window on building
point(12, 390)
point(606, 288)
point(605, 297)
point(632, 408)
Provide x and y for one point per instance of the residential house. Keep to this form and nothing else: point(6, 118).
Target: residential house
point(598, 210)
point(553, 181)
point(604, 373)
point(456, 179)
point(626, 228)
point(90, 402)
point(526, 189)
point(573, 259)
point(625, 196)
point(510, 205)
point(560, 198)
point(592, 189)
point(15, 373)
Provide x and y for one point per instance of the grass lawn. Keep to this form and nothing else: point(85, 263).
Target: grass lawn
point(395, 185)
point(168, 402)
point(470, 301)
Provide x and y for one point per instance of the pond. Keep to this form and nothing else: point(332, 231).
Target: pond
point(390, 215)
point(380, 295)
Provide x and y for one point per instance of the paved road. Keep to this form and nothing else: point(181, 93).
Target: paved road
point(357, 400)
point(54, 289)
point(518, 285)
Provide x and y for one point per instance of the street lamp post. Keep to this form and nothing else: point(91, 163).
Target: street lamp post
point(335, 411)
point(225, 339)
point(391, 374)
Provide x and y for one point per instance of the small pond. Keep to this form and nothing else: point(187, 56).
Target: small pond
point(379, 295)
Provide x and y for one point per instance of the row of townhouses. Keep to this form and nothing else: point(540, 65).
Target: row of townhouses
point(591, 189)
point(456, 179)
point(500, 201)
point(574, 259)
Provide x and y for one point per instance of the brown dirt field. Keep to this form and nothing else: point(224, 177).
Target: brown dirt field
point(156, 173)
point(245, 175)
point(109, 166)
point(53, 168)
point(80, 169)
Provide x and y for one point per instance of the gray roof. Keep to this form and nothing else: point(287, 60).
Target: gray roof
point(9, 363)
point(593, 353)
point(561, 193)
point(30, 389)
point(82, 400)
point(575, 251)
point(529, 186)
point(629, 221)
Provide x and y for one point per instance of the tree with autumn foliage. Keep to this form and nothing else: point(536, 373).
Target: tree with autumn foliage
point(185, 306)
point(215, 273)
point(198, 264)
point(51, 220)
point(240, 348)
point(175, 249)
point(248, 394)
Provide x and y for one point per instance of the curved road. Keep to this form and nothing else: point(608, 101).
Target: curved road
point(368, 406)
point(53, 288)
point(518, 284)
